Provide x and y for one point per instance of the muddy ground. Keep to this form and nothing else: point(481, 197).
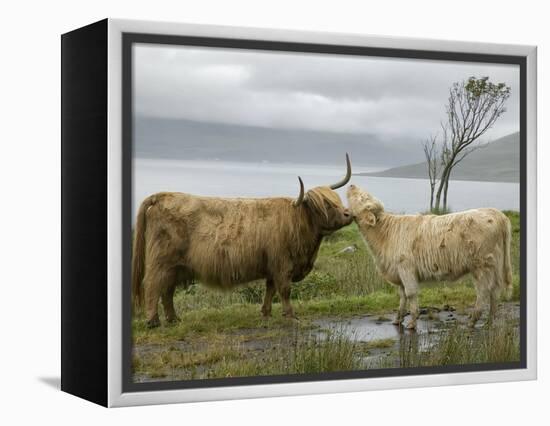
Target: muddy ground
point(381, 339)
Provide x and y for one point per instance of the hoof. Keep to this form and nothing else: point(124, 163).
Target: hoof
point(291, 316)
point(153, 323)
point(411, 326)
point(473, 321)
point(173, 320)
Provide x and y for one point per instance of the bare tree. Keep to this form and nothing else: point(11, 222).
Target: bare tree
point(432, 163)
point(473, 108)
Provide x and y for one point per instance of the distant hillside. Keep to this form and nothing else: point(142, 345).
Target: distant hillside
point(497, 162)
point(193, 140)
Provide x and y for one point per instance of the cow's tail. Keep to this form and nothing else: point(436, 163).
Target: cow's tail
point(508, 284)
point(138, 253)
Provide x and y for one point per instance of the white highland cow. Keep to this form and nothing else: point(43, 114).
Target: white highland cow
point(409, 249)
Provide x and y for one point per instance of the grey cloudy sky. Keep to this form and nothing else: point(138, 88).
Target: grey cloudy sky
point(396, 99)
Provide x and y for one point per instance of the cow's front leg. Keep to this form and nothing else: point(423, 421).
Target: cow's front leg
point(268, 298)
point(413, 304)
point(410, 285)
point(402, 307)
point(283, 287)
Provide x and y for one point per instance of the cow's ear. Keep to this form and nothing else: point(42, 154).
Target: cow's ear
point(367, 219)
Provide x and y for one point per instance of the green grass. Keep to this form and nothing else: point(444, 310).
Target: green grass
point(462, 345)
point(218, 327)
point(298, 356)
point(294, 354)
point(380, 344)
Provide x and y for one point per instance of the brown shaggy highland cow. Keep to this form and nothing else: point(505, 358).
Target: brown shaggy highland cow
point(409, 249)
point(224, 242)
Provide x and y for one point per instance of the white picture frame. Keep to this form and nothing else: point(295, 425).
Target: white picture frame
point(116, 393)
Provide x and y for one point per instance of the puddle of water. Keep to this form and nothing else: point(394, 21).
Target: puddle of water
point(429, 330)
point(369, 328)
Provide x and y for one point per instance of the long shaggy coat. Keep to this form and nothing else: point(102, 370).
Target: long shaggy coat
point(409, 249)
point(224, 242)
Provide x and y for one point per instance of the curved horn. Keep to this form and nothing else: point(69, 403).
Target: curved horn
point(346, 179)
point(300, 198)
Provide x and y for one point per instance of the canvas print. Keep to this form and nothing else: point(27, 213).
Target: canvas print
point(312, 214)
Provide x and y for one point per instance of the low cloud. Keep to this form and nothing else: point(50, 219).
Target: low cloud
point(392, 98)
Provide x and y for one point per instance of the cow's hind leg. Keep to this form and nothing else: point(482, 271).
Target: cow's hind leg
point(155, 282)
point(482, 284)
point(167, 298)
point(493, 297)
point(402, 306)
point(268, 298)
point(492, 306)
point(410, 285)
point(151, 297)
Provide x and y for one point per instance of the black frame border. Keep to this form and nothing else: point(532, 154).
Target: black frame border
point(129, 39)
point(84, 184)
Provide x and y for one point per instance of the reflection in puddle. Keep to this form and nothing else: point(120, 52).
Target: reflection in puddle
point(369, 328)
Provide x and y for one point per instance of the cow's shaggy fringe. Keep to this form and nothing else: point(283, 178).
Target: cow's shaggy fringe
point(413, 248)
point(322, 199)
